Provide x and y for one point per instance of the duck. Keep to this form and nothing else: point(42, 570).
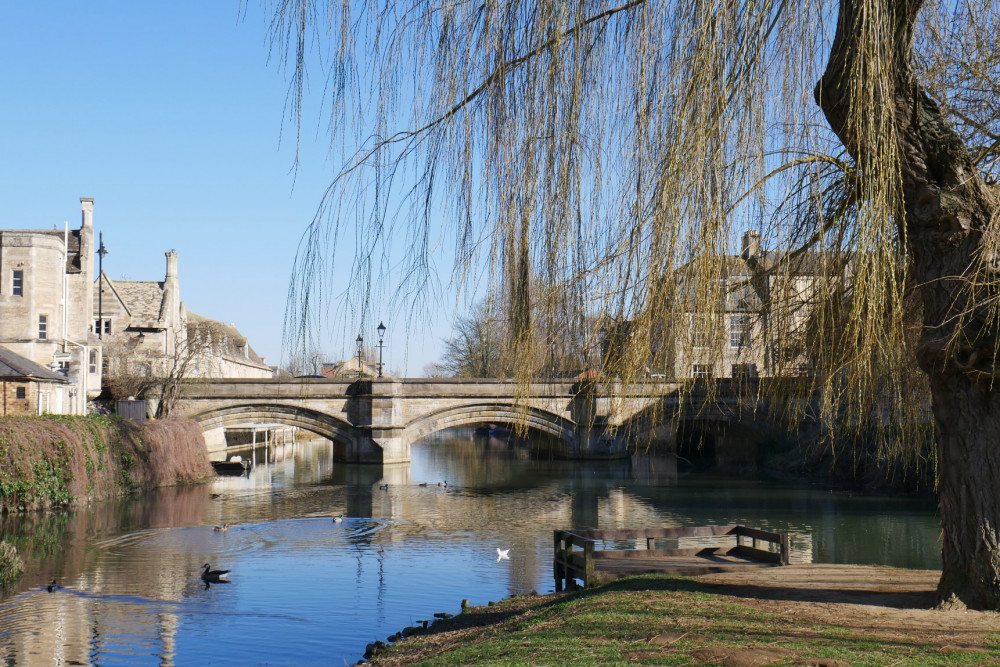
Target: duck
point(209, 575)
point(384, 487)
point(52, 586)
point(442, 483)
point(221, 529)
point(338, 519)
point(422, 484)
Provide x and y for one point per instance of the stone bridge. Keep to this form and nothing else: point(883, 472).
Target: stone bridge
point(376, 421)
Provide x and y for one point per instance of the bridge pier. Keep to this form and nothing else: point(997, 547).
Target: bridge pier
point(594, 437)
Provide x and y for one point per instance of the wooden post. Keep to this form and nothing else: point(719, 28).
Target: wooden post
point(568, 558)
point(588, 562)
point(786, 551)
point(558, 569)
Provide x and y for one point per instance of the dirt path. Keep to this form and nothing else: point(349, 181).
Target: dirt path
point(885, 603)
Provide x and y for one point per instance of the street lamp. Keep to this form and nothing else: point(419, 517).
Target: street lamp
point(101, 252)
point(361, 342)
point(381, 338)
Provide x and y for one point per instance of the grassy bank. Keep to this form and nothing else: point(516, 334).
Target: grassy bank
point(53, 461)
point(663, 620)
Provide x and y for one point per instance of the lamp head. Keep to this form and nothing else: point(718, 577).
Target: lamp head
point(381, 330)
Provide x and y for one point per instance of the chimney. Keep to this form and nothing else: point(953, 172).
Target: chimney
point(750, 251)
point(170, 313)
point(171, 265)
point(87, 207)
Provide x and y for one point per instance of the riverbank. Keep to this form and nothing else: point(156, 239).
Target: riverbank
point(799, 614)
point(53, 461)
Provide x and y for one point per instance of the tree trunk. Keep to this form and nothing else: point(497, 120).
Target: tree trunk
point(945, 223)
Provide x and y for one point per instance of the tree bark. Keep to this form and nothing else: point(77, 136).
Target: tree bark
point(945, 223)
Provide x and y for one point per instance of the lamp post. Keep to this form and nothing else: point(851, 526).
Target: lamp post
point(381, 338)
point(361, 342)
point(101, 252)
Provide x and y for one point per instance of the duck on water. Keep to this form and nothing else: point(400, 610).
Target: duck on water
point(208, 575)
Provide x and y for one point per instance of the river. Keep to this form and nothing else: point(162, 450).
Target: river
point(306, 589)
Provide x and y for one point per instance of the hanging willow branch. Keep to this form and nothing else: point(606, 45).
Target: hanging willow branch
point(600, 164)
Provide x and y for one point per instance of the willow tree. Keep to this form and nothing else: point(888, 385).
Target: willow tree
point(615, 152)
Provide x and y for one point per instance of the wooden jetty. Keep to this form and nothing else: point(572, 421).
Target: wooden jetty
point(582, 554)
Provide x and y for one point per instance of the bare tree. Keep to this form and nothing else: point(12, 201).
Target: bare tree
point(602, 147)
point(128, 371)
point(476, 348)
point(196, 343)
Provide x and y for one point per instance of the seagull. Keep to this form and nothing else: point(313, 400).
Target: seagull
point(338, 519)
point(214, 576)
point(502, 554)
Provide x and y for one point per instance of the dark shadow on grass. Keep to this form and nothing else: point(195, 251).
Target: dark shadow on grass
point(903, 600)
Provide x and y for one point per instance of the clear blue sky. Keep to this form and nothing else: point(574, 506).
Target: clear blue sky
point(170, 116)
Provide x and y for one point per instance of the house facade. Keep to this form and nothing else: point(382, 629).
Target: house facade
point(45, 305)
point(762, 320)
point(27, 388)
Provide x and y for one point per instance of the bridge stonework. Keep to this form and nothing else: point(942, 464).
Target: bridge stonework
point(376, 421)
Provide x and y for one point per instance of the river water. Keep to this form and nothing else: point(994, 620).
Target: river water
point(306, 589)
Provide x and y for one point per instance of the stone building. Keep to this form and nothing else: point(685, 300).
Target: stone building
point(147, 329)
point(45, 304)
point(27, 388)
point(762, 320)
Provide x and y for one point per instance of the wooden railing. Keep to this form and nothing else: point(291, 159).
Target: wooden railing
point(576, 555)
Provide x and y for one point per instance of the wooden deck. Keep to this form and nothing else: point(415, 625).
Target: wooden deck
point(578, 556)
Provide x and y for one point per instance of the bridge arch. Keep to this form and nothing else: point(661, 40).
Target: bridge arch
point(316, 422)
point(491, 413)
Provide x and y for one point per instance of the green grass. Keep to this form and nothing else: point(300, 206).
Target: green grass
point(655, 620)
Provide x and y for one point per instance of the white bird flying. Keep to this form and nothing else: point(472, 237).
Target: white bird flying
point(502, 554)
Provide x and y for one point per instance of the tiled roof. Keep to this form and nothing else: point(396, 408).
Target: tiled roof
point(143, 299)
point(15, 366)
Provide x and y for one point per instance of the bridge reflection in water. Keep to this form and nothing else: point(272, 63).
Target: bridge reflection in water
point(402, 552)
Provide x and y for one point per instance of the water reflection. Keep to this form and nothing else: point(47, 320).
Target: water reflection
point(307, 589)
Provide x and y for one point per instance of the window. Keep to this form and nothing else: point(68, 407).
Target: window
point(701, 370)
point(699, 331)
point(21, 392)
point(744, 371)
point(43, 327)
point(18, 283)
point(92, 364)
point(106, 323)
point(739, 331)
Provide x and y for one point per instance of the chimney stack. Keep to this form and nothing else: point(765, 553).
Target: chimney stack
point(751, 247)
point(87, 207)
point(171, 265)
